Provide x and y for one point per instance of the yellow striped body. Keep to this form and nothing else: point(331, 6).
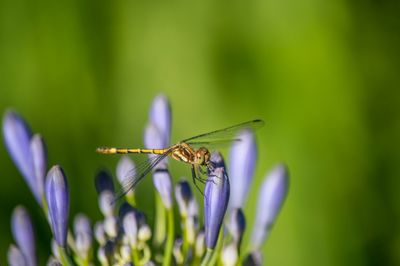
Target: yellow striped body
point(107, 150)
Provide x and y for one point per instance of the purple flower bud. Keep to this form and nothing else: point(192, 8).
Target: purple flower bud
point(17, 137)
point(57, 197)
point(271, 197)
point(15, 257)
point(99, 233)
point(22, 229)
point(229, 255)
point(199, 248)
point(39, 159)
point(130, 226)
point(111, 226)
point(103, 181)
point(216, 197)
point(83, 235)
point(183, 195)
point(163, 183)
point(243, 157)
point(160, 116)
point(177, 251)
point(153, 139)
point(106, 200)
point(125, 168)
point(237, 225)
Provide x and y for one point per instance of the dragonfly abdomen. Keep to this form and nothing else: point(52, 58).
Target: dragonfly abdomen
point(108, 150)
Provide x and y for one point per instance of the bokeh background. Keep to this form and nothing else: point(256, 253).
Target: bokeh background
point(324, 75)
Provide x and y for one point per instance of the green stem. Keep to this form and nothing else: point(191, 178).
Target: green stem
point(159, 224)
point(207, 257)
point(170, 238)
point(185, 246)
point(218, 248)
point(135, 256)
point(130, 198)
point(64, 257)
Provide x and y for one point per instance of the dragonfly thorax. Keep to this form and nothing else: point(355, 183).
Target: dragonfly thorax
point(202, 156)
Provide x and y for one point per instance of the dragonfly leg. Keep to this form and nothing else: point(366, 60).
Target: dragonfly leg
point(194, 177)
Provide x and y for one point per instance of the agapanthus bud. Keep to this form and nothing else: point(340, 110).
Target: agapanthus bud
point(17, 138)
point(163, 182)
point(253, 259)
point(230, 256)
point(125, 169)
point(22, 230)
point(57, 196)
point(153, 139)
point(39, 160)
point(15, 257)
point(99, 233)
point(243, 156)
point(183, 195)
point(216, 197)
point(106, 200)
point(237, 225)
point(193, 208)
point(83, 235)
point(271, 196)
point(177, 251)
point(160, 116)
point(130, 226)
point(103, 181)
point(144, 233)
point(111, 226)
point(200, 246)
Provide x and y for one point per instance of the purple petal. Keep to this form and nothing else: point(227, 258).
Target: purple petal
point(160, 116)
point(183, 195)
point(39, 159)
point(83, 234)
point(237, 225)
point(163, 183)
point(216, 197)
point(125, 169)
point(103, 181)
point(243, 156)
point(271, 197)
point(130, 225)
point(22, 229)
point(153, 140)
point(15, 257)
point(57, 197)
point(17, 137)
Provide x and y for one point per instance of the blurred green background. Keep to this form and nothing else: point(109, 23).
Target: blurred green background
point(324, 75)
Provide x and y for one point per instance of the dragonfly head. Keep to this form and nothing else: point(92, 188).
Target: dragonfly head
point(202, 156)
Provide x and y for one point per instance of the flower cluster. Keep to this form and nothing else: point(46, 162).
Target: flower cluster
point(123, 236)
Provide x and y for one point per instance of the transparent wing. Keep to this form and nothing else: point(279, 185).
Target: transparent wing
point(225, 135)
point(213, 144)
point(135, 175)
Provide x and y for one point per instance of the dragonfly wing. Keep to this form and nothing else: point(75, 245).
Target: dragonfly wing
point(212, 144)
point(135, 175)
point(226, 134)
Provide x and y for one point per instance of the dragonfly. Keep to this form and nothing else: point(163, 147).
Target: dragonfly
point(194, 151)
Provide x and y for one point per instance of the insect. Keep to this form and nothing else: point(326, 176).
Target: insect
point(184, 151)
